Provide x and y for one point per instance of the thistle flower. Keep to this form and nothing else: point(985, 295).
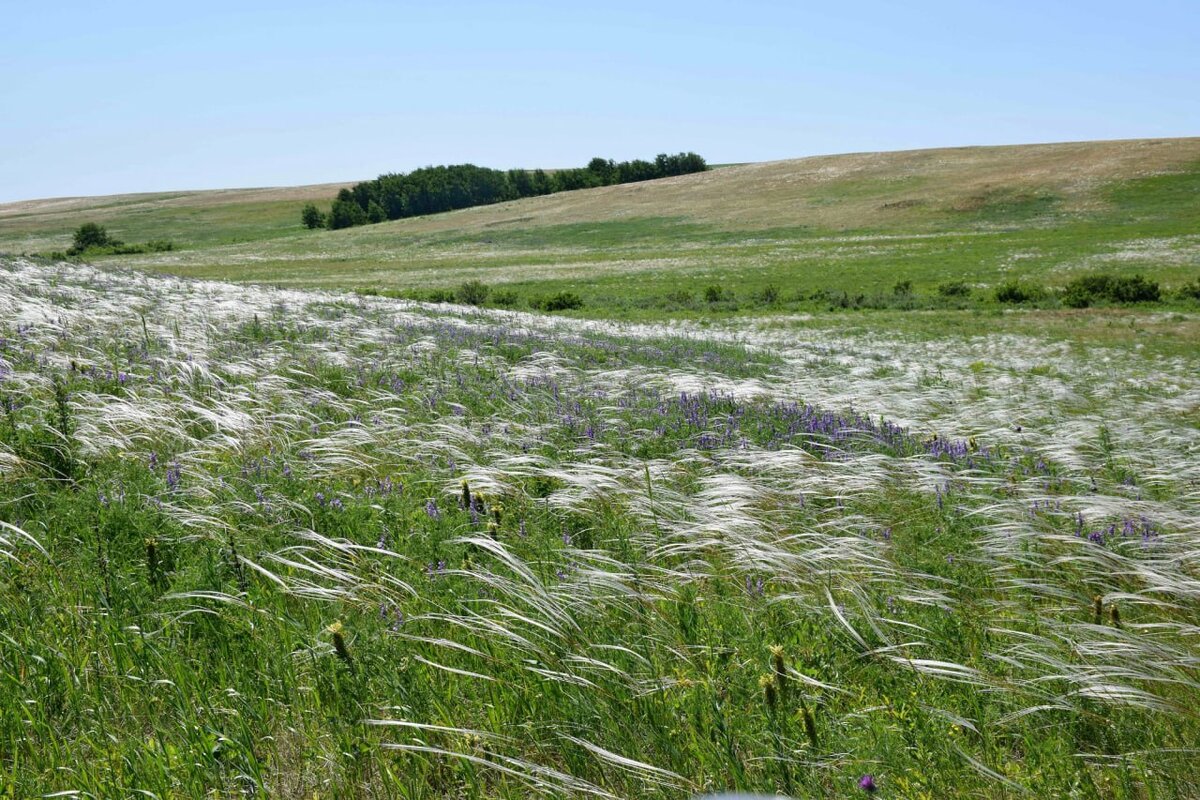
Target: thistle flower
point(1097, 609)
point(867, 784)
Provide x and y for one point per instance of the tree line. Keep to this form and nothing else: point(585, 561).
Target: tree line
point(429, 190)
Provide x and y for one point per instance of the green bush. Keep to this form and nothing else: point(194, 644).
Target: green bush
point(1190, 291)
point(472, 293)
point(90, 236)
point(902, 289)
point(769, 295)
point(1085, 290)
point(312, 217)
point(441, 296)
point(954, 289)
point(505, 298)
point(1015, 292)
point(563, 301)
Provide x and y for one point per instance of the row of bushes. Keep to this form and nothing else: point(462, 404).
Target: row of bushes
point(477, 293)
point(430, 190)
point(1079, 293)
point(1095, 289)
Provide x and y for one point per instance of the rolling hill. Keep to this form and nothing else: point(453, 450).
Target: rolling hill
point(847, 223)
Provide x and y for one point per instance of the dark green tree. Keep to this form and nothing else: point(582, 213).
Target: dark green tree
point(312, 217)
point(88, 236)
point(346, 214)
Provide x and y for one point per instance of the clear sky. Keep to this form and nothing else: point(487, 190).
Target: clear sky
point(107, 97)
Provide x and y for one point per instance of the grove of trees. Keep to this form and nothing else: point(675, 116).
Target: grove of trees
point(429, 190)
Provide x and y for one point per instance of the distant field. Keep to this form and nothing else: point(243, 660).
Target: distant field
point(856, 224)
point(191, 218)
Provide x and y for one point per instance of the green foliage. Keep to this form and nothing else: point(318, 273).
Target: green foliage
point(561, 301)
point(90, 236)
point(431, 190)
point(505, 298)
point(954, 289)
point(472, 293)
point(1190, 291)
point(346, 213)
point(1016, 292)
point(769, 295)
point(93, 240)
point(1087, 290)
point(312, 217)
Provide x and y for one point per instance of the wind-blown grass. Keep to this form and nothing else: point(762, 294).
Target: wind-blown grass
point(264, 541)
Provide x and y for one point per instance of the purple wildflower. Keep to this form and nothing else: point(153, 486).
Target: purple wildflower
point(867, 784)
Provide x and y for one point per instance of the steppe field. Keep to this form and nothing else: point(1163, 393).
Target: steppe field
point(794, 502)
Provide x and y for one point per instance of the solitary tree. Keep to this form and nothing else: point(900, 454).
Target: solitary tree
point(90, 235)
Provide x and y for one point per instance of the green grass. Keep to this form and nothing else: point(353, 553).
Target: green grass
point(234, 557)
point(240, 563)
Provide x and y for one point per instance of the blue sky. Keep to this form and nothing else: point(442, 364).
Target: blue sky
point(111, 97)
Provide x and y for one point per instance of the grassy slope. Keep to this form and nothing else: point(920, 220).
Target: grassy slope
point(195, 219)
point(854, 223)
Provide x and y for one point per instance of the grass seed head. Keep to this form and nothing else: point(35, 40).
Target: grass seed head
point(770, 695)
point(339, 643)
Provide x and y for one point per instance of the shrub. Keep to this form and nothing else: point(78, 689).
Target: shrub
point(312, 217)
point(505, 298)
point(1190, 291)
point(441, 296)
point(680, 298)
point(90, 236)
point(1081, 292)
point(713, 294)
point(1016, 292)
point(902, 289)
point(954, 289)
point(472, 293)
point(562, 301)
point(769, 295)
point(160, 245)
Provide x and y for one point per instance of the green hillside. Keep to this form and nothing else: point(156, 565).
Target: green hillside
point(849, 224)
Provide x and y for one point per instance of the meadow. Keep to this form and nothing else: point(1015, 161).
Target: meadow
point(265, 534)
point(808, 235)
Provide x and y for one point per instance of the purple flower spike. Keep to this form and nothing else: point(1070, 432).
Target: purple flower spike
point(867, 784)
